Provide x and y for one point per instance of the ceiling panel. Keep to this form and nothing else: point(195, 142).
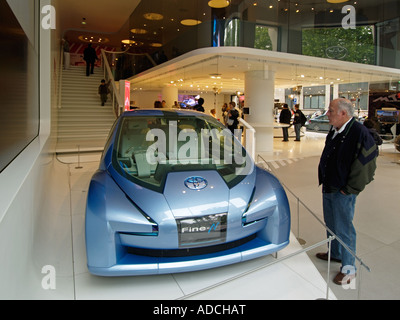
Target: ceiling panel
point(196, 71)
point(102, 16)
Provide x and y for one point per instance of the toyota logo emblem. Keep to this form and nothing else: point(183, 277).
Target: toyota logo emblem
point(196, 183)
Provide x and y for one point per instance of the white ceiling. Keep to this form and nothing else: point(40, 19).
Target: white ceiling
point(193, 71)
point(102, 16)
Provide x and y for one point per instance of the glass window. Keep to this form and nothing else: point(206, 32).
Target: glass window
point(314, 97)
point(354, 45)
point(232, 32)
point(146, 149)
point(263, 38)
point(19, 94)
point(358, 93)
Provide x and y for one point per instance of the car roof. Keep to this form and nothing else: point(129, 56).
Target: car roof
point(162, 112)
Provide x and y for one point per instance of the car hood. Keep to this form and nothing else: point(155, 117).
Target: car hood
point(181, 201)
point(191, 194)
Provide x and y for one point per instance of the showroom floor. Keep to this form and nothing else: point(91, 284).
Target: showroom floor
point(298, 277)
point(377, 218)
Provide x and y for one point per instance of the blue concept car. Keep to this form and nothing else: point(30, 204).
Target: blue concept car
point(176, 192)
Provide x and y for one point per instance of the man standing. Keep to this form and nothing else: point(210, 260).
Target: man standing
point(298, 121)
point(285, 118)
point(233, 115)
point(347, 165)
point(199, 106)
point(90, 56)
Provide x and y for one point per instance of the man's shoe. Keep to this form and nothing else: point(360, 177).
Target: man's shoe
point(324, 256)
point(342, 278)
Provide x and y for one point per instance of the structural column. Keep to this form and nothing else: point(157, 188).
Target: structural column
point(170, 95)
point(259, 98)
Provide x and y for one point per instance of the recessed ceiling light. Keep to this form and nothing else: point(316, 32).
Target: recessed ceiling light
point(156, 45)
point(153, 16)
point(215, 75)
point(128, 41)
point(190, 22)
point(93, 39)
point(218, 3)
point(138, 31)
point(336, 1)
point(132, 42)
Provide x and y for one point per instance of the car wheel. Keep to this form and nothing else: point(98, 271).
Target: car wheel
point(316, 128)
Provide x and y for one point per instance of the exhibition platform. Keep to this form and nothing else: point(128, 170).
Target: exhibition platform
point(285, 276)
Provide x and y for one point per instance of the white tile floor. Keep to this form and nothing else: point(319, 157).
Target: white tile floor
point(299, 277)
point(377, 218)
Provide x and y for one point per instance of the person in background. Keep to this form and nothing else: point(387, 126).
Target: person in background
point(104, 90)
point(298, 121)
point(233, 115)
point(225, 114)
point(176, 105)
point(199, 107)
point(285, 118)
point(213, 112)
point(67, 56)
point(90, 56)
point(370, 124)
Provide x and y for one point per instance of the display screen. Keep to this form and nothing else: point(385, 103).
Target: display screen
point(206, 230)
point(388, 116)
point(187, 101)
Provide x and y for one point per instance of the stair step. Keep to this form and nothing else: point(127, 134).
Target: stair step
point(88, 109)
point(86, 117)
point(81, 119)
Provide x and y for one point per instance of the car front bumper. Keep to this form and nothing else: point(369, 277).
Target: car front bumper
point(131, 264)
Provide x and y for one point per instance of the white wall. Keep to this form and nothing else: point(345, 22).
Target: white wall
point(24, 183)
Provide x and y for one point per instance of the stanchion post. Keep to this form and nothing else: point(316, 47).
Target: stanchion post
point(79, 158)
point(301, 241)
point(329, 266)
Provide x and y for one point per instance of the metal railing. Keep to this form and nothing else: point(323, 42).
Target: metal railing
point(123, 65)
point(60, 78)
point(249, 138)
point(327, 242)
point(117, 100)
point(315, 216)
point(263, 266)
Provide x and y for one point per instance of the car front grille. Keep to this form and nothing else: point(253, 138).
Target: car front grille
point(189, 251)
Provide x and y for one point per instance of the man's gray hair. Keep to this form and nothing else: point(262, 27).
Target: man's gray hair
point(345, 105)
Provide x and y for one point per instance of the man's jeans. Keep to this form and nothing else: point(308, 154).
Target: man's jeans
point(338, 215)
point(285, 131)
point(297, 128)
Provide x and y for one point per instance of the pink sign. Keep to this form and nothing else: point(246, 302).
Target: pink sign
point(127, 96)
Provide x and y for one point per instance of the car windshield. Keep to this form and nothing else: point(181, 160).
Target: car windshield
point(147, 148)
